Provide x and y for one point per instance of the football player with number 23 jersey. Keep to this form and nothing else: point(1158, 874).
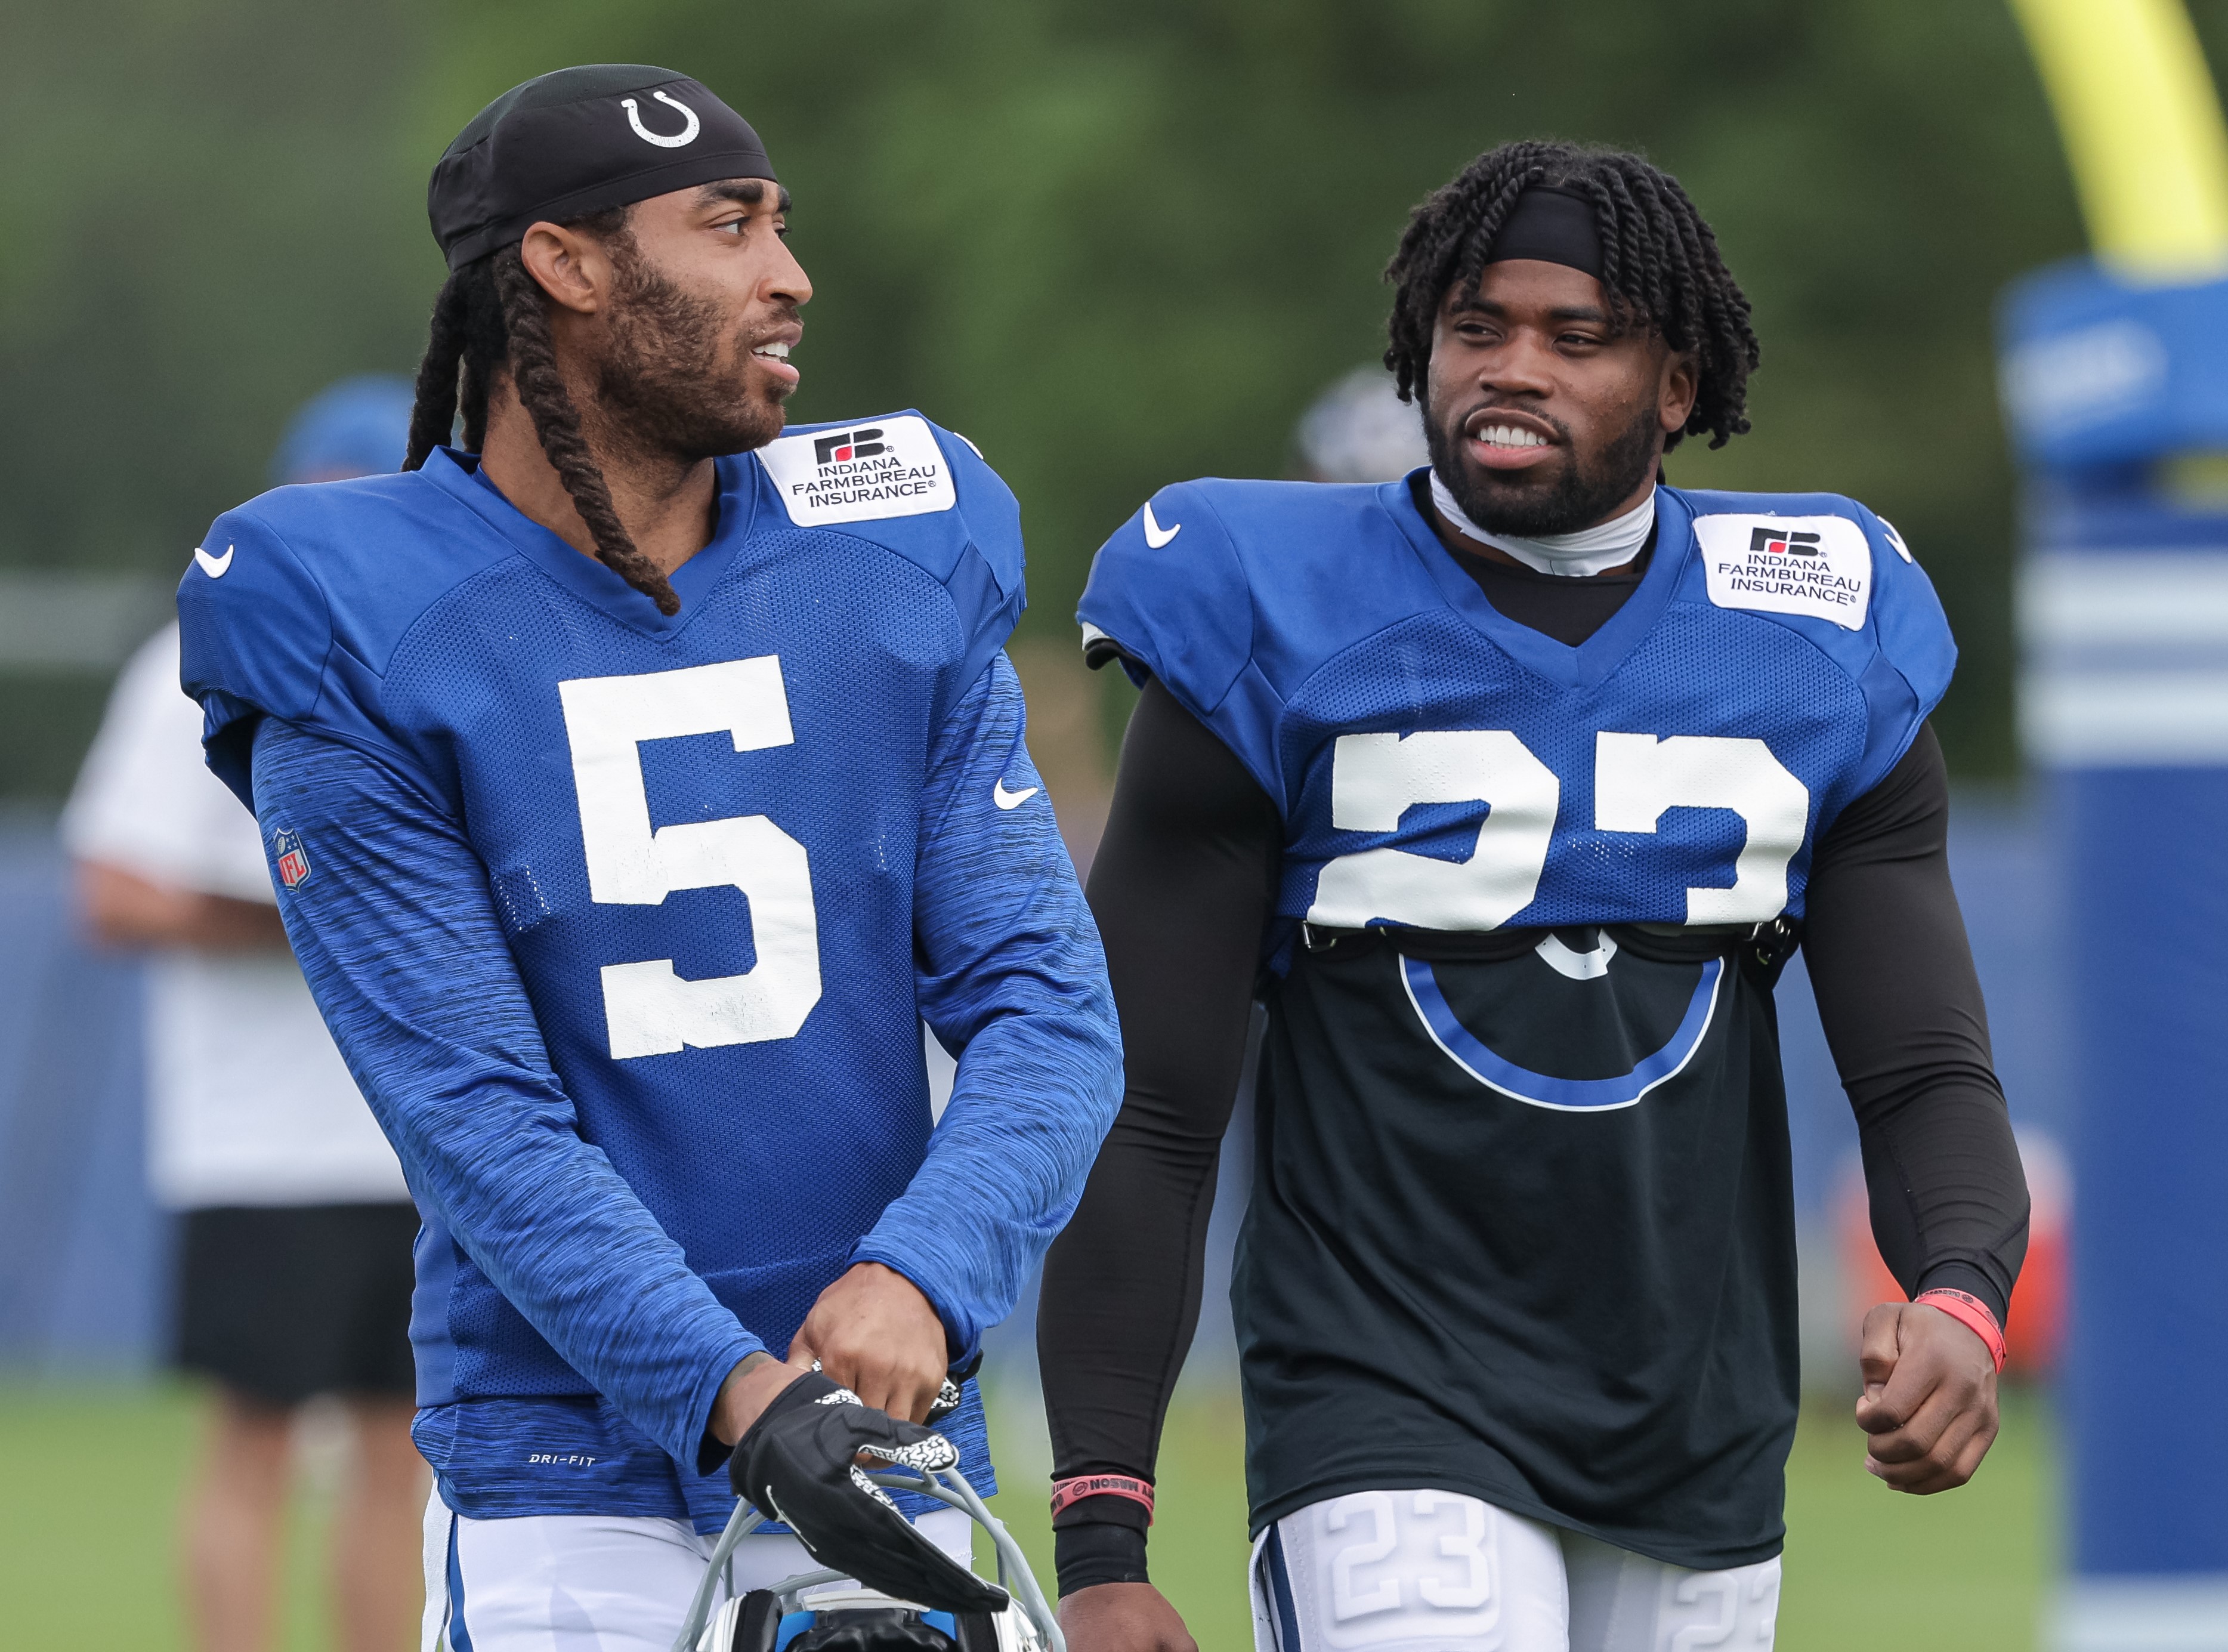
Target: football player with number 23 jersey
point(637, 780)
point(1509, 787)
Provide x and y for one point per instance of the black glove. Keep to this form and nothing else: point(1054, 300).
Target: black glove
point(797, 1465)
point(948, 1397)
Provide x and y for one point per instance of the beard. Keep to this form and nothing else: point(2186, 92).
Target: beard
point(670, 381)
point(1575, 495)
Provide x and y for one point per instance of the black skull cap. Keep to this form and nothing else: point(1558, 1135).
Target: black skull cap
point(579, 141)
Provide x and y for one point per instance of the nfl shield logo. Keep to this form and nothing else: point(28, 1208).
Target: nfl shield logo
point(294, 859)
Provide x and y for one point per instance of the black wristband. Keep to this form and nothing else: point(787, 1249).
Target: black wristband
point(1096, 1552)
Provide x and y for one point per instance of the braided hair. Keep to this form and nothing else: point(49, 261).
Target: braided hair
point(1660, 267)
point(491, 316)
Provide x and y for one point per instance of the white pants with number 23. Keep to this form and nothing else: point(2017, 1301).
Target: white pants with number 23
point(1437, 1571)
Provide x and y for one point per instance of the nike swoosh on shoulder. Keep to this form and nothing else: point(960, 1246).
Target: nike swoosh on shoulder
point(214, 567)
point(1156, 535)
point(1006, 799)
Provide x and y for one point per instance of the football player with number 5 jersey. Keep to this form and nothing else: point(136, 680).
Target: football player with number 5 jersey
point(1509, 787)
point(637, 779)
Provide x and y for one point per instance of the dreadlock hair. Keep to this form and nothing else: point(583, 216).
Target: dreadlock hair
point(1660, 266)
point(491, 317)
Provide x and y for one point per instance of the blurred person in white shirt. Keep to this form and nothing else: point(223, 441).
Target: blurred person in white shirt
point(295, 1231)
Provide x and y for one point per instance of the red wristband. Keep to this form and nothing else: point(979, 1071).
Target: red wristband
point(1971, 1312)
point(1066, 1492)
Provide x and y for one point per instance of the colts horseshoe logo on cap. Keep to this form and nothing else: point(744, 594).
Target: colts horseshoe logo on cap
point(682, 139)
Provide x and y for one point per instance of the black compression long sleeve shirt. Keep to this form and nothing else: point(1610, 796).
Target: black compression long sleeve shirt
point(1182, 886)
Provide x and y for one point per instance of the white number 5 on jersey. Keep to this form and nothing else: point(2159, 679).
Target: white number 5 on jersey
point(648, 1009)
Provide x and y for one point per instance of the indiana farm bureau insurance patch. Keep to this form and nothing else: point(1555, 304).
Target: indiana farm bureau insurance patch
point(1818, 566)
point(878, 467)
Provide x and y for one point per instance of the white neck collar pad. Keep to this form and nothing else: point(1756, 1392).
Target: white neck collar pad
point(1588, 551)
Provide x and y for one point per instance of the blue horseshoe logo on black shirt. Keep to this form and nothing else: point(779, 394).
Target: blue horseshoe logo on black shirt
point(1648, 1019)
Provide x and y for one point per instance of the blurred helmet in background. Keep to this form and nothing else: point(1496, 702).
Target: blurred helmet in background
point(360, 427)
point(1361, 430)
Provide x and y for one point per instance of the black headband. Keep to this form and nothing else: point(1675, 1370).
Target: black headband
point(1551, 224)
point(581, 141)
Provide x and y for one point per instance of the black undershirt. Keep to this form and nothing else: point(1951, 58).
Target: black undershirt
point(1569, 610)
point(1182, 886)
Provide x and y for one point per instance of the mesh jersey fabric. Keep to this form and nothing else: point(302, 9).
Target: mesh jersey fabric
point(627, 926)
point(1286, 616)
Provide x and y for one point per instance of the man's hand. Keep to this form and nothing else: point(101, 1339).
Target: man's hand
point(874, 1333)
point(801, 1463)
point(1123, 1617)
point(749, 1389)
point(1929, 1399)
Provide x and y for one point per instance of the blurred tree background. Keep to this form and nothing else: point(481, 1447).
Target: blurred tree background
point(1114, 245)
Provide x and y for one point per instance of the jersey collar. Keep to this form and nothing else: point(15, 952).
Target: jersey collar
point(1594, 661)
point(457, 474)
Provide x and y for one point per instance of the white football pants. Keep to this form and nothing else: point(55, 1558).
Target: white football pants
point(595, 1583)
point(1437, 1571)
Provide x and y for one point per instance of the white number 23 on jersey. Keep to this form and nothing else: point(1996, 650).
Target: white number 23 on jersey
point(647, 1009)
point(1376, 778)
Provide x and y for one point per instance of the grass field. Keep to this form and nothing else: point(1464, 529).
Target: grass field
point(89, 1479)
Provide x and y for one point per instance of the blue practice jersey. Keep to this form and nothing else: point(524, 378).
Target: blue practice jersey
point(627, 926)
point(1522, 1223)
point(1441, 766)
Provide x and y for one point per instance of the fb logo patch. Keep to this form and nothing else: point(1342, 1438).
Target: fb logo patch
point(294, 859)
point(1818, 567)
point(892, 467)
point(846, 444)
